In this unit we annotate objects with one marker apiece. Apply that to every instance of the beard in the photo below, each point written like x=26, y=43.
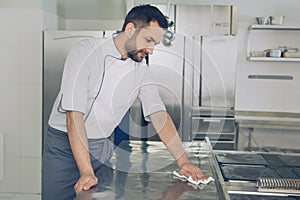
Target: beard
x=132, y=50
x=134, y=55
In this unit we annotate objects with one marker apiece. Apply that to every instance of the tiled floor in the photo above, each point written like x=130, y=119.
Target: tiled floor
x=15, y=196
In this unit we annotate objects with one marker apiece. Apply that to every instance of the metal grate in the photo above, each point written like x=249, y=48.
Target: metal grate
x=280, y=185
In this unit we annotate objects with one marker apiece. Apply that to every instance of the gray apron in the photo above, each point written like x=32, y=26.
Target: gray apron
x=59, y=169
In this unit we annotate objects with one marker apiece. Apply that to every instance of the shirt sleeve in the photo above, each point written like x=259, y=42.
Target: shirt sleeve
x=149, y=96
x=74, y=86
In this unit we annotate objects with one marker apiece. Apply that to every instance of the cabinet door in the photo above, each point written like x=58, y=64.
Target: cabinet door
x=219, y=55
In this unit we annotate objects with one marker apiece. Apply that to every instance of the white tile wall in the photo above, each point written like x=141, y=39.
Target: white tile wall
x=26, y=197
x=21, y=100
x=30, y=173
x=12, y=139
x=1, y=155
x=30, y=58
x=12, y=173
x=6, y=196
x=31, y=138
x=10, y=106
x=9, y=27
x=9, y=62
x=31, y=32
x=13, y=196
x=31, y=102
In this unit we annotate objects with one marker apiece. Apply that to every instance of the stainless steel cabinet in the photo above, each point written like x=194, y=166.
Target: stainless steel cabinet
x=219, y=126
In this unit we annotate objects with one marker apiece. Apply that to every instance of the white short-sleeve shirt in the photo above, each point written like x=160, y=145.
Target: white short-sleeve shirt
x=97, y=83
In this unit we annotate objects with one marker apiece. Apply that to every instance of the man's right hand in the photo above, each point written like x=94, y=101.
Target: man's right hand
x=85, y=182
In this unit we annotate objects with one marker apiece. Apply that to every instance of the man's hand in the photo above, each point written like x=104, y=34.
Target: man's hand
x=85, y=182
x=188, y=169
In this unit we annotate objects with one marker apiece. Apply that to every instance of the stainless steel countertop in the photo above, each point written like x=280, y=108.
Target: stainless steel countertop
x=143, y=170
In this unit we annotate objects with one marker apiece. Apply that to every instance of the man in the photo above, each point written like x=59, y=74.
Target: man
x=100, y=82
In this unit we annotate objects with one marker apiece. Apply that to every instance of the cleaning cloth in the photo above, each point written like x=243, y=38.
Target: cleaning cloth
x=190, y=179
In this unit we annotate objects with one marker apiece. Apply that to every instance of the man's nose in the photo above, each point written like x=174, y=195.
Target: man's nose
x=150, y=50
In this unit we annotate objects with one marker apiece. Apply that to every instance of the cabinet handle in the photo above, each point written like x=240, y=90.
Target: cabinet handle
x=271, y=77
x=211, y=120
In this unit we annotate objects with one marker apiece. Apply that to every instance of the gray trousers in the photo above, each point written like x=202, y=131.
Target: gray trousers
x=59, y=169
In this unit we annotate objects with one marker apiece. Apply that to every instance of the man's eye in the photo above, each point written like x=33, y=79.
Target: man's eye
x=148, y=40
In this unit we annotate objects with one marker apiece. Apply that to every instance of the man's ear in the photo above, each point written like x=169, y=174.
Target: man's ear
x=130, y=29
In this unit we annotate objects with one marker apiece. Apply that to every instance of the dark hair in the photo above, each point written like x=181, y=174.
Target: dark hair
x=144, y=14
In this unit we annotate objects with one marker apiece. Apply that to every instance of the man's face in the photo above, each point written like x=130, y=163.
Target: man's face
x=143, y=41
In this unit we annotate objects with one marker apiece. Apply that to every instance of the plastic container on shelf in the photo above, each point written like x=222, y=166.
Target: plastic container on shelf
x=276, y=20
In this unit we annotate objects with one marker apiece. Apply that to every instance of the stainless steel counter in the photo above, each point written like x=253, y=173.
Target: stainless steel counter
x=143, y=170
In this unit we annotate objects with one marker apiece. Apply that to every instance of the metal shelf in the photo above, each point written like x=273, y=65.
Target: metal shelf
x=274, y=27
x=273, y=59
x=259, y=27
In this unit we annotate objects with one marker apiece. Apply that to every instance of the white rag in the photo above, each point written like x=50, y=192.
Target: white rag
x=190, y=179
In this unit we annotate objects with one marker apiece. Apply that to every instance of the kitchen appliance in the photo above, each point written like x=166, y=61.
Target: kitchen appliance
x=249, y=166
x=214, y=87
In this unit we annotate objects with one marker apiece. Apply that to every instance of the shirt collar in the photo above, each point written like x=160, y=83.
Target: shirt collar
x=112, y=48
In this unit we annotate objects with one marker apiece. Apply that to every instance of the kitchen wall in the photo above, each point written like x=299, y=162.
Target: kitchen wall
x=277, y=96
x=21, y=25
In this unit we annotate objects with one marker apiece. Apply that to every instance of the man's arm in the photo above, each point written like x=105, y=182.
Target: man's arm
x=79, y=145
x=167, y=132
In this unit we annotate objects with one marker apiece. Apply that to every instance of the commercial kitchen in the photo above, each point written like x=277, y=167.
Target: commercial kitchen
x=227, y=71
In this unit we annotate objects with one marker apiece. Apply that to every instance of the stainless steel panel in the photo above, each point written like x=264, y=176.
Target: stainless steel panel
x=218, y=66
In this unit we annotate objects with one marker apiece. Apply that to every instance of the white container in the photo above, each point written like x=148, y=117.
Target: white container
x=263, y=20
x=276, y=53
x=276, y=20
x=258, y=54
